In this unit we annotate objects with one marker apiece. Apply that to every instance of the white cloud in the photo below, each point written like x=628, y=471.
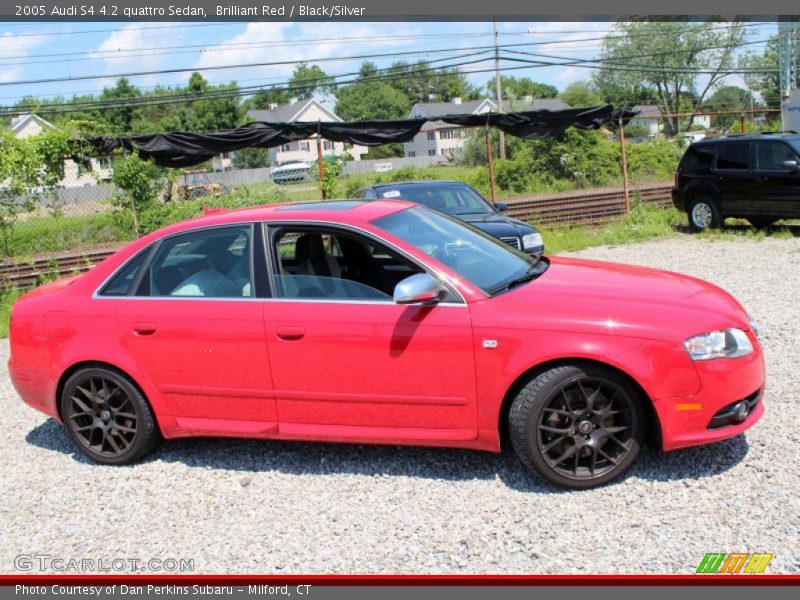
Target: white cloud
x=15, y=49
x=265, y=42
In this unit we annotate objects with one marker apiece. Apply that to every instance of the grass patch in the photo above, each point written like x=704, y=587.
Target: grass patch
x=7, y=299
x=646, y=221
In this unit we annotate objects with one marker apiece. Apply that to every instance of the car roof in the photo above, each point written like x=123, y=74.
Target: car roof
x=344, y=211
x=748, y=137
x=418, y=183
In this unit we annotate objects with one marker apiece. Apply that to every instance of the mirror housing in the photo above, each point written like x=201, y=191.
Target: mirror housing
x=790, y=165
x=501, y=207
x=418, y=289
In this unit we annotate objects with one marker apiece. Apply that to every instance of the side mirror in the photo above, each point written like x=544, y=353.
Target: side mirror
x=501, y=206
x=418, y=289
x=790, y=165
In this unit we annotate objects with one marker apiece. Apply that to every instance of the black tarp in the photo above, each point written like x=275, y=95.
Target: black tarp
x=184, y=149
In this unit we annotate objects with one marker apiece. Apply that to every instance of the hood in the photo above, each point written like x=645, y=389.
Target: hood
x=497, y=224
x=601, y=297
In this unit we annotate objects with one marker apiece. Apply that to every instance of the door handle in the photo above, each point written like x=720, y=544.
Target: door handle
x=290, y=334
x=144, y=328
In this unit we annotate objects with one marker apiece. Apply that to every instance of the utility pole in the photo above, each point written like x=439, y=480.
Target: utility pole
x=497, y=86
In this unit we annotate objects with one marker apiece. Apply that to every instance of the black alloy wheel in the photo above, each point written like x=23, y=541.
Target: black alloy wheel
x=577, y=427
x=107, y=417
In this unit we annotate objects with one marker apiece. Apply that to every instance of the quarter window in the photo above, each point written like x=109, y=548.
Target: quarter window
x=121, y=282
x=733, y=157
x=211, y=263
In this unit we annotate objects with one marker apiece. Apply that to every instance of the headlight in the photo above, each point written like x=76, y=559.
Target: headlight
x=532, y=240
x=730, y=343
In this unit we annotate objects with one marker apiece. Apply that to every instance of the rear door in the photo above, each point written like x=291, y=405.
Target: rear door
x=778, y=193
x=732, y=171
x=195, y=323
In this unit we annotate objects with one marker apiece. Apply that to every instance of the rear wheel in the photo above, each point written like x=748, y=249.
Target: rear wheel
x=107, y=417
x=704, y=214
x=759, y=222
x=577, y=427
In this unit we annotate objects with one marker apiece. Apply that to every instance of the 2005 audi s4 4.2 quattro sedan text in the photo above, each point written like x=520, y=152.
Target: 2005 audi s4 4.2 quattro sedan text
x=384, y=322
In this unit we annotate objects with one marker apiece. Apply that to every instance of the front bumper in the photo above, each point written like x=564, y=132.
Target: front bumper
x=690, y=420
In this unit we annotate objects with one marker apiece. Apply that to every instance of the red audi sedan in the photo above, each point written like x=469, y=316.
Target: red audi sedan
x=384, y=322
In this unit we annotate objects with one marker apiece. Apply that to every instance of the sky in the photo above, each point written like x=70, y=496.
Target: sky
x=57, y=50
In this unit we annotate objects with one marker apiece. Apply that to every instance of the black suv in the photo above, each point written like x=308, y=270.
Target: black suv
x=754, y=176
x=463, y=202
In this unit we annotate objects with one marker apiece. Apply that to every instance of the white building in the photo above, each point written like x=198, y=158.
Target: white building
x=437, y=138
x=651, y=118
x=75, y=175
x=304, y=150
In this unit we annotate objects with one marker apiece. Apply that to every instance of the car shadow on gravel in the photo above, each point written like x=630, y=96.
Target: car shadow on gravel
x=313, y=458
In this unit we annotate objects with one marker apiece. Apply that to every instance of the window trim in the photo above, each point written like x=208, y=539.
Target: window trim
x=274, y=227
x=153, y=249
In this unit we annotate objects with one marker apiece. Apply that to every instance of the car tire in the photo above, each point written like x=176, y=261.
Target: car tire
x=107, y=417
x=577, y=427
x=759, y=222
x=704, y=214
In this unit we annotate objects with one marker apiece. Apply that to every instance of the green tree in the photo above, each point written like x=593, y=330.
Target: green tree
x=767, y=81
x=120, y=119
x=517, y=89
x=308, y=80
x=663, y=58
x=141, y=181
x=725, y=98
x=581, y=93
x=366, y=101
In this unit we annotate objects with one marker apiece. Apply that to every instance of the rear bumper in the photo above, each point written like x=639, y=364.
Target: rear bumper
x=690, y=420
x=677, y=199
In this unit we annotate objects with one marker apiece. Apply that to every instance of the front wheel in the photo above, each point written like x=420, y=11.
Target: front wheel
x=704, y=214
x=577, y=426
x=107, y=417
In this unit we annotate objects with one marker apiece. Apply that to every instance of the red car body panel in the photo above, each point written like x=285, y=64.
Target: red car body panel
x=381, y=372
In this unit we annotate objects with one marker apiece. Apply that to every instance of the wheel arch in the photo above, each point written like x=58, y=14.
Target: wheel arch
x=700, y=188
x=652, y=424
x=87, y=364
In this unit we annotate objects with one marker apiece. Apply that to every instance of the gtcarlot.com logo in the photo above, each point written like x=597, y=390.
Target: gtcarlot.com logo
x=736, y=562
x=46, y=562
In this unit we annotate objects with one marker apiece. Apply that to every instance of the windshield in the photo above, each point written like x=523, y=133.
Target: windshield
x=484, y=261
x=455, y=199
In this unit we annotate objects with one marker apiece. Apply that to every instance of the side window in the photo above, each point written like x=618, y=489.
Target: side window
x=331, y=265
x=733, y=157
x=121, y=282
x=771, y=155
x=211, y=263
x=697, y=158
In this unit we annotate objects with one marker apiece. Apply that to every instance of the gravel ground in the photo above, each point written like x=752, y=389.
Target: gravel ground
x=242, y=506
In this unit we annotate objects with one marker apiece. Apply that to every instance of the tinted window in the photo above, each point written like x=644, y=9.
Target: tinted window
x=697, y=158
x=771, y=155
x=733, y=156
x=212, y=263
x=121, y=282
x=452, y=199
x=331, y=265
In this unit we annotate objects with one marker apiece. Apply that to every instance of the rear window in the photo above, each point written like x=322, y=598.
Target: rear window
x=733, y=157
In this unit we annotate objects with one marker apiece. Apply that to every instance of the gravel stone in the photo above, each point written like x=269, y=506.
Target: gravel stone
x=238, y=506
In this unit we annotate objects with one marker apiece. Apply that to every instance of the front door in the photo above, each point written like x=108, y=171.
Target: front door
x=778, y=193
x=349, y=361
x=196, y=327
